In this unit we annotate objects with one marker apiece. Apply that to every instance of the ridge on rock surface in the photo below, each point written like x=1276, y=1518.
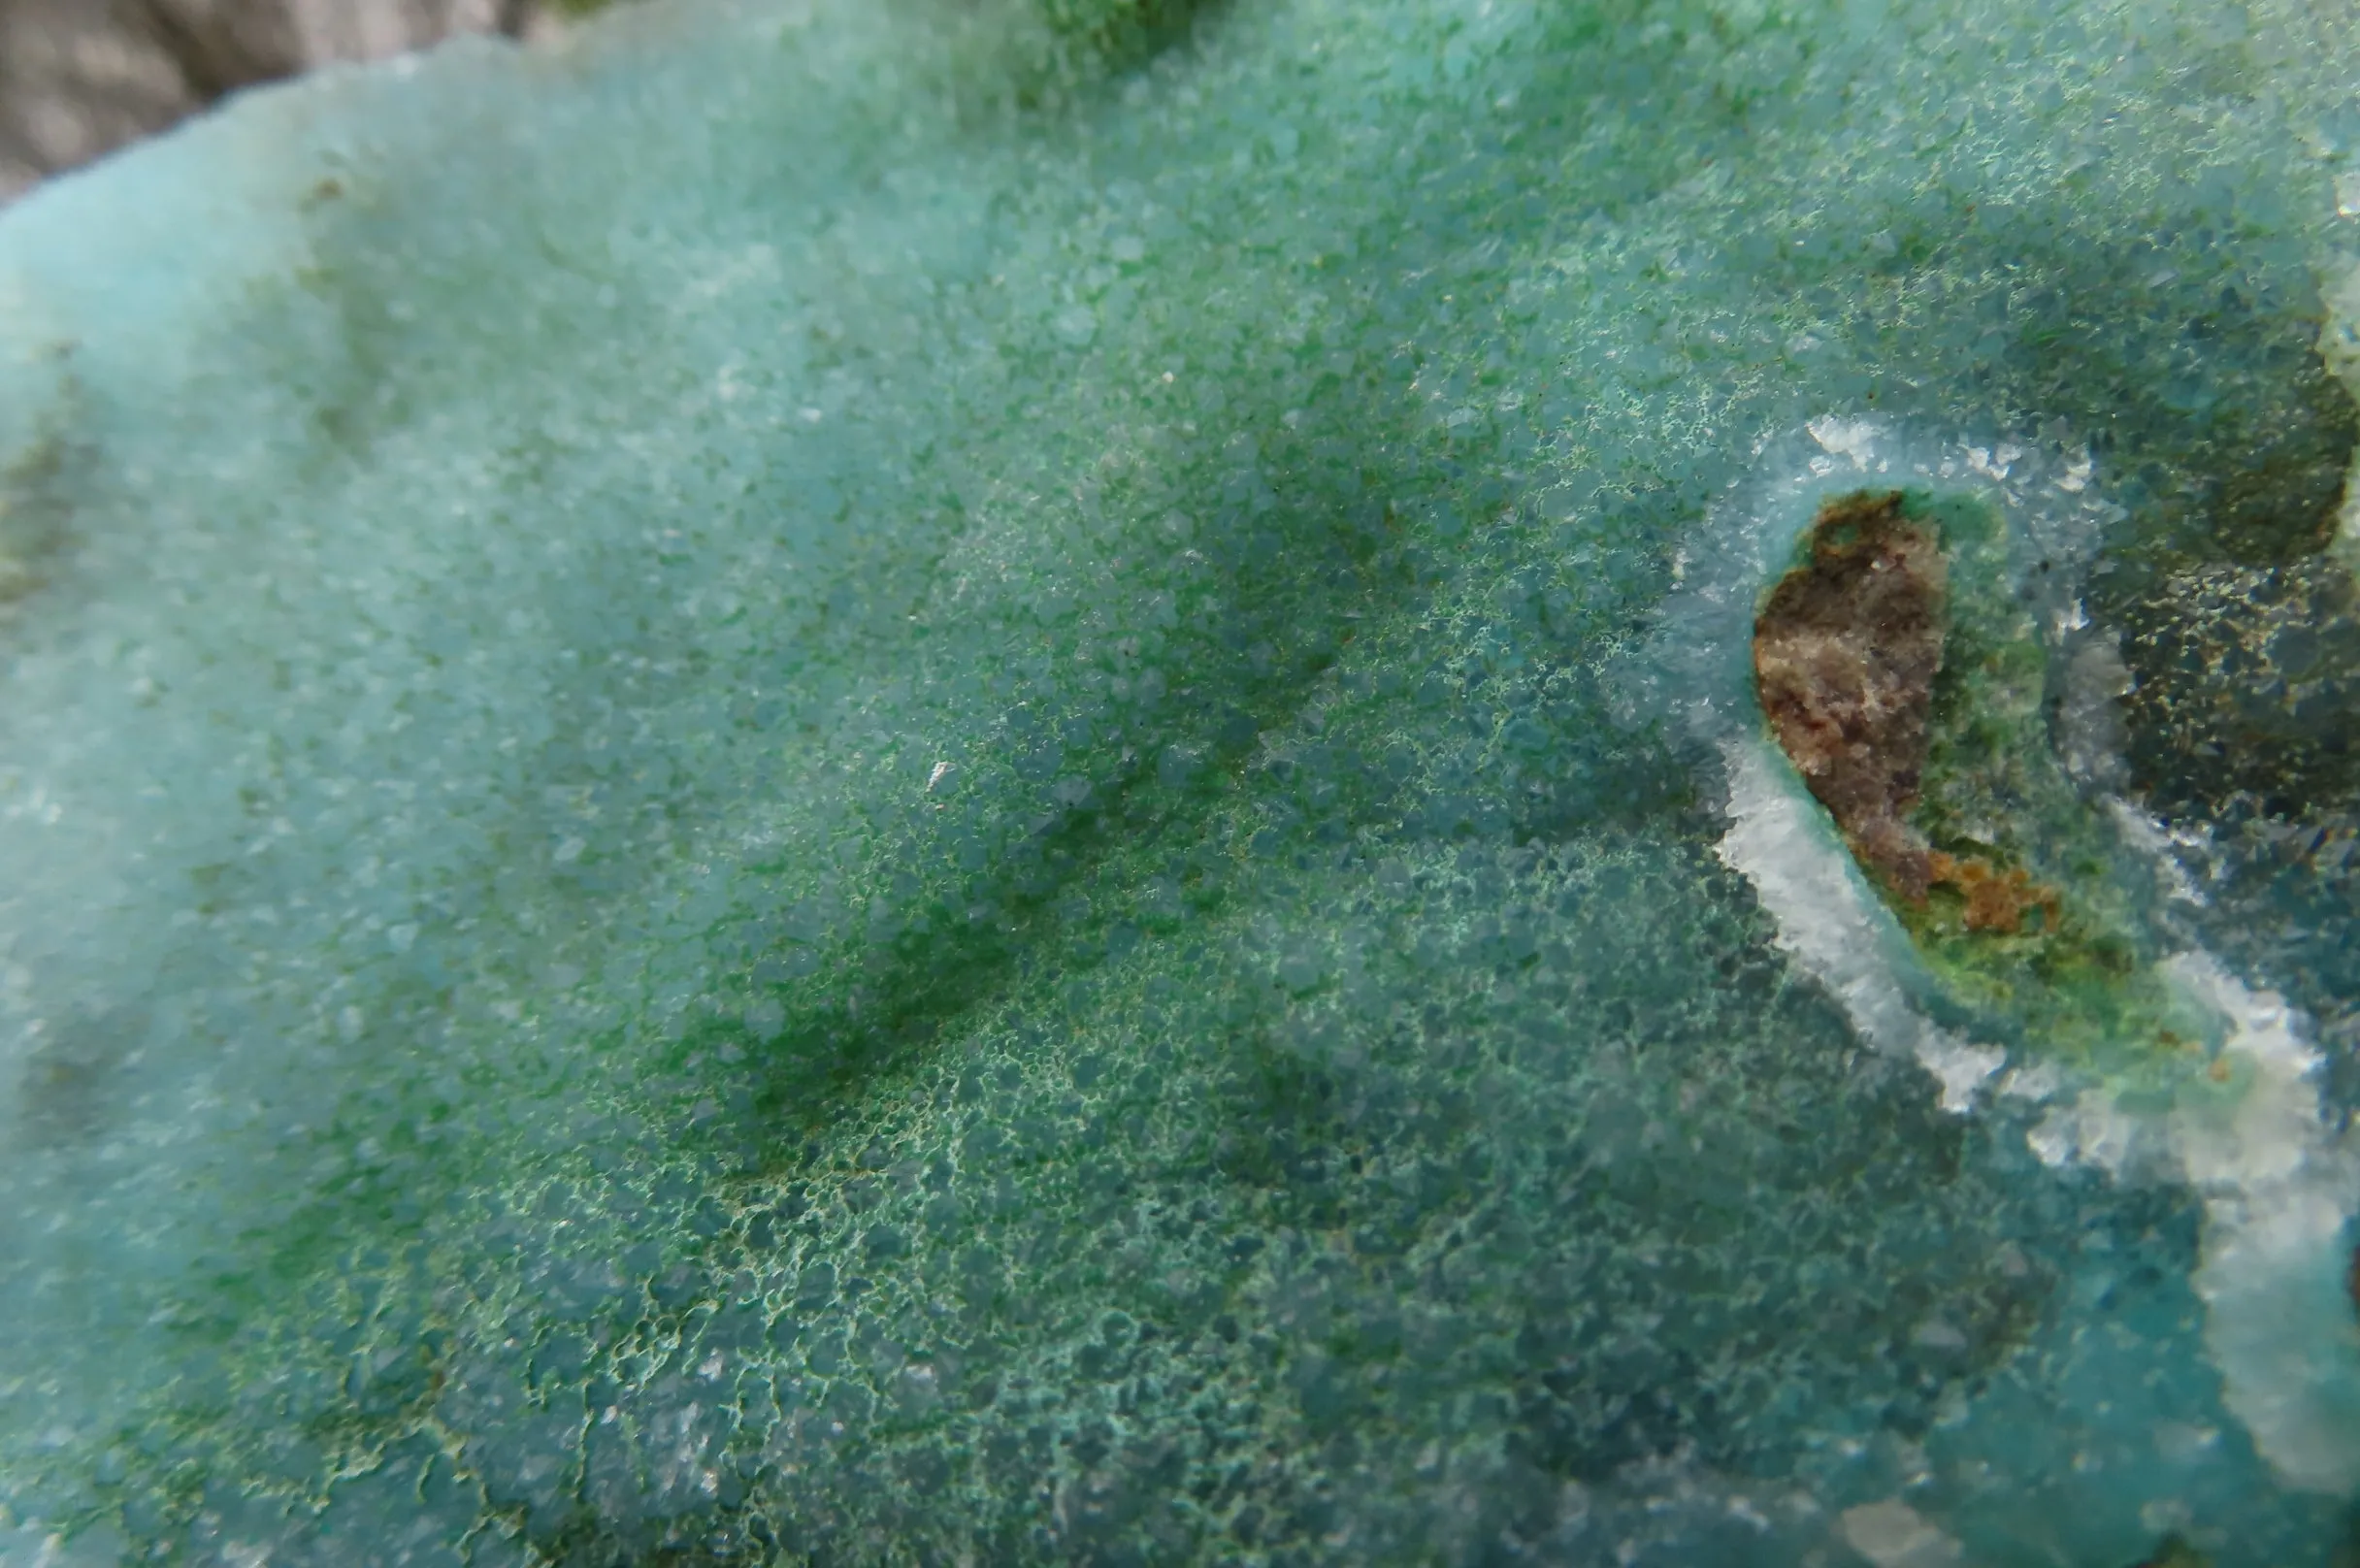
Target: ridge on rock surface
x=1002, y=783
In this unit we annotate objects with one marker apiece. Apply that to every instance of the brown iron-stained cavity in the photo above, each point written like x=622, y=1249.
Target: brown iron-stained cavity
x=1845, y=649
x=1996, y=901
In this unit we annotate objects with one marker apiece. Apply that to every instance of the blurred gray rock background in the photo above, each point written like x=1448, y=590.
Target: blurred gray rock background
x=80, y=78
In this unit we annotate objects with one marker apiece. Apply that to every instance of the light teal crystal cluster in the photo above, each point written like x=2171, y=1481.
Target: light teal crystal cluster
x=950, y=782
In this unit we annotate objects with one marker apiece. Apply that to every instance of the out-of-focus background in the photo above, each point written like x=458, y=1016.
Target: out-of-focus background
x=80, y=78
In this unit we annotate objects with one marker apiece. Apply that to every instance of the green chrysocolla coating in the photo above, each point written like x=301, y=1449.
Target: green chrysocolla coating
x=836, y=783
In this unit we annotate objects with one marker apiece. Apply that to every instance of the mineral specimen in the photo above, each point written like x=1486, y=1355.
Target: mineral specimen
x=983, y=782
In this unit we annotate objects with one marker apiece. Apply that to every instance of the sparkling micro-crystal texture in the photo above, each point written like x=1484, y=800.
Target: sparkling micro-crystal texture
x=979, y=782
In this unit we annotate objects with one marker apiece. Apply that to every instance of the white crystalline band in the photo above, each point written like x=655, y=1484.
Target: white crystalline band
x=2278, y=1196
x=2278, y=1193
x=1830, y=922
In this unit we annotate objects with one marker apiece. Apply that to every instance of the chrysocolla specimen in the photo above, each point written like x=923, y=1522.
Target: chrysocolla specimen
x=852, y=783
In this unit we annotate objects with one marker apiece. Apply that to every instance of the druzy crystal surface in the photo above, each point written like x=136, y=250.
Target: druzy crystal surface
x=970, y=783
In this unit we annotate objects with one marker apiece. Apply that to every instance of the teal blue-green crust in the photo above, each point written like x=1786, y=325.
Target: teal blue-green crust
x=843, y=784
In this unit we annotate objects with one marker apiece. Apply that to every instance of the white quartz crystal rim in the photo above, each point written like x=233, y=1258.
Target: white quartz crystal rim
x=1829, y=922
x=2277, y=1186
x=2277, y=1195
x=1697, y=668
